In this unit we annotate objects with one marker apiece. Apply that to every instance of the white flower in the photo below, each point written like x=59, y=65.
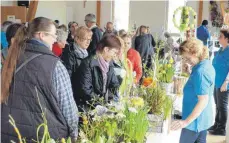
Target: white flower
x=133, y=110
x=96, y=118
x=100, y=110
x=111, y=116
x=120, y=116
x=134, y=74
x=123, y=73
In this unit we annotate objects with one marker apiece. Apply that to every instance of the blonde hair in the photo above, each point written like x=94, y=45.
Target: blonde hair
x=82, y=32
x=195, y=47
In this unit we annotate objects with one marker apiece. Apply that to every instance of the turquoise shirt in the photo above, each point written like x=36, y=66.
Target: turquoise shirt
x=221, y=65
x=200, y=82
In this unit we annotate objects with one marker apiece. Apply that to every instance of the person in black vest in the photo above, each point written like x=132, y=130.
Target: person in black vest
x=96, y=77
x=35, y=82
x=72, y=26
x=90, y=21
x=144, y=44
x=78, y=50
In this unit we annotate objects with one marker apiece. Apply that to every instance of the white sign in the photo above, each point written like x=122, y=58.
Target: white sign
x=11, y=18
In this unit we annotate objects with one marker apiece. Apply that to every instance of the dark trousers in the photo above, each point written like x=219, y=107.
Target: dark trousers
x=188, y=136
x=221, y=101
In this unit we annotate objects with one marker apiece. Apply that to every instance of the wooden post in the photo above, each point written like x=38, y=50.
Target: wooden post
x=200, y=12
x=98, y=12
x=32, y=10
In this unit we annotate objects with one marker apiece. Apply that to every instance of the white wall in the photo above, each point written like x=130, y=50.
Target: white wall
x=79, y=11
x=8, y=3
x=150, y=13
x=52, y=10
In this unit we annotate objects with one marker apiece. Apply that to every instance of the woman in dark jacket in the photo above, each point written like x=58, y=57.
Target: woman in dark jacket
x=77, y=51
x=96, y=77
x=144, y=44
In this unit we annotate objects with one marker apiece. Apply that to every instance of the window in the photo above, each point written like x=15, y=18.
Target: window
x=121, y=14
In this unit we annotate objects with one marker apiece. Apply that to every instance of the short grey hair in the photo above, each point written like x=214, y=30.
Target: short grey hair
x=90, y=17
x=61, y=35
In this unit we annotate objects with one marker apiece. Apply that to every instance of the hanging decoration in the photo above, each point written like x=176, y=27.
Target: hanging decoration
x=215, y=15
x=188, y=18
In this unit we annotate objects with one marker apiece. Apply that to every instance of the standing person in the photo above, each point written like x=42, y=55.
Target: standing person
x=90, y=21
x=77, y=51
x=10, y=33
x=198, y=93
x=72, y=26
x=144, y=44
x=203, y=33
x=134, y=58
x=96, y=77
x=221, y=65
x=40, y=81
x=4, y=27
x=58, y=46
x=110, y=29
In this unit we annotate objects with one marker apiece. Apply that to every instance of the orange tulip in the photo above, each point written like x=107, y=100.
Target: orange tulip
x=147, y=81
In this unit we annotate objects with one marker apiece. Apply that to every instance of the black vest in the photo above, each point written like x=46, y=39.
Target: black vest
x=33, y=82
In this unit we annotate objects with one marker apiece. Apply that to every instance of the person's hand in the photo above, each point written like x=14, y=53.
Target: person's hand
x=224, y=86
x=176, y=125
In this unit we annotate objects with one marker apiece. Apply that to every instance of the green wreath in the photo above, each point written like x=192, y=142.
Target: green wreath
x=185, y=22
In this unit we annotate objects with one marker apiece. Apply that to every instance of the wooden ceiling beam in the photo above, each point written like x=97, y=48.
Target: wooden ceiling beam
x=200, y=12
x=32, y=10
x=98, y=12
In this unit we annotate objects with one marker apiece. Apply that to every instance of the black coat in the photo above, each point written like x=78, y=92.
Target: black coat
x=96, y=37
x=89, y=83
x=145, y=44
x=70, y=40
x=71, y=59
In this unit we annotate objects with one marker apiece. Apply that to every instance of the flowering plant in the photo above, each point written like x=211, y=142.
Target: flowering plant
x=166, y=71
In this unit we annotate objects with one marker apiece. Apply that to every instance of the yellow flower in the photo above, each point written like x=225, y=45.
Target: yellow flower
x=85, y=121
x=171, y=61
x=163, y=72
x=63, y=140
x=169, y=65
x=137, y=101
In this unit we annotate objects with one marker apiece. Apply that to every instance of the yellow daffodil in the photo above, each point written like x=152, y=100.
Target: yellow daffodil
x=63, y=140
x=171, y=61
x=169, y=65
x=85, y=121
x=163, y=72
x=137, y=101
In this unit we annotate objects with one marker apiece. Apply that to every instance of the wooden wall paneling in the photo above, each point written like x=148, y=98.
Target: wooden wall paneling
x=18, y=11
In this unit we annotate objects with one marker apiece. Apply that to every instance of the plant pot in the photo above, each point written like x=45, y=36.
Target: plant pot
x=157, y=124
x=179, y=82
x=168, y=87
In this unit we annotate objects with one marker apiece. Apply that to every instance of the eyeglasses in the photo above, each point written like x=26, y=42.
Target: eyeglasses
x=85, y=39
x=47, y=33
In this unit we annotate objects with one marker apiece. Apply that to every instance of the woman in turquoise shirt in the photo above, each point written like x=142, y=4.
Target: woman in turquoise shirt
x=221, y=93
x=198, y=94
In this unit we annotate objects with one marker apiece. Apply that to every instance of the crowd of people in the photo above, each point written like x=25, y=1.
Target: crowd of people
x=65, y=70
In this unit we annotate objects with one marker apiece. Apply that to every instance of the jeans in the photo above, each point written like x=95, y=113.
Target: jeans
x=221, y=101
x=188, y=136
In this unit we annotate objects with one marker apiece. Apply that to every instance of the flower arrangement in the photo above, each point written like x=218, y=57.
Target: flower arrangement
x=125, y=122
x=166, y=71
x=185, y=22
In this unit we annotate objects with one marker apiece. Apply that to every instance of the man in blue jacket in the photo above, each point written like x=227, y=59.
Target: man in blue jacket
x=203, y=33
